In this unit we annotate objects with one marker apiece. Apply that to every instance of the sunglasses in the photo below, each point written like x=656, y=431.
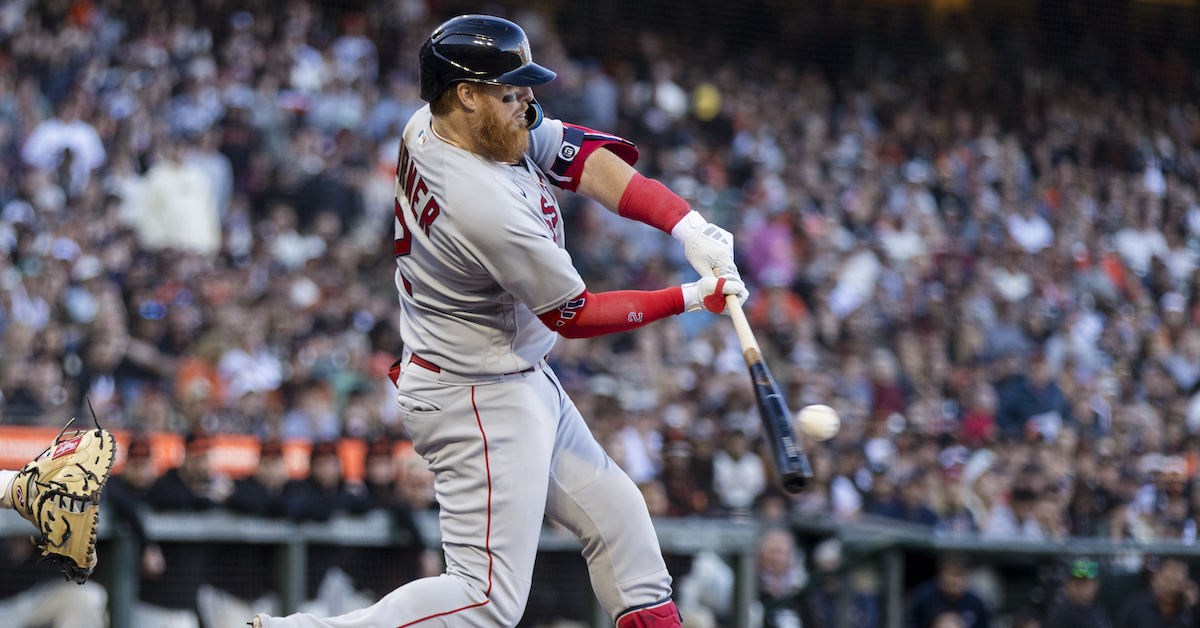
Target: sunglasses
x=1083, y=568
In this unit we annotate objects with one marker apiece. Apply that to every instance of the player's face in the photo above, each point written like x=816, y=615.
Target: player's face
x=499, y=122
x=509, y=103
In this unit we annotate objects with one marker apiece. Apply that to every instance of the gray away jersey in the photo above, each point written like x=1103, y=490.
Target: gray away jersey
x=479, y=249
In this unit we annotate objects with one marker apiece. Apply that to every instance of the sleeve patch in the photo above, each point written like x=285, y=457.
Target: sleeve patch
x=572, y=142
x=577, y=143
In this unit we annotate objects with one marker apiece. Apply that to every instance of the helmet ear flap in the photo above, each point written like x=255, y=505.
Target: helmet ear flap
x=533, y=115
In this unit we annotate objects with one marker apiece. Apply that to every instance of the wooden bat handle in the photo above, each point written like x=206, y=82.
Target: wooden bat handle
x=750, y=351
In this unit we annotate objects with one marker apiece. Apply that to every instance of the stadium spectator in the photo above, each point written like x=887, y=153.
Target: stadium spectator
x=781, y=579
x=178, y=207
x=65, y=147
x=205, y=155
x=262, y=493
x=738, y=474
x=1034, y=398
x=324, y=492
x=40, y=397
x=249, y=365
x=191, y=486
x=126, y=492
x=821, y=603
x=684, y=495
x=882, y=496
x=1167, y=603
x=313, y=416
x=379, y=472
x=948, y=593
x=912, y=506
x=414, y=484
x=1078, y=608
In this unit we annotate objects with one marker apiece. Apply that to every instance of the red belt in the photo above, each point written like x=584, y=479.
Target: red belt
x=394, y=372
x=423, y=363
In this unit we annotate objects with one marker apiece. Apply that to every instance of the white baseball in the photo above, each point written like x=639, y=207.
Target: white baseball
x=820, y=422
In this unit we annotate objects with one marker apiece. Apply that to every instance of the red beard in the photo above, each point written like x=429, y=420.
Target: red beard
x=498, y=139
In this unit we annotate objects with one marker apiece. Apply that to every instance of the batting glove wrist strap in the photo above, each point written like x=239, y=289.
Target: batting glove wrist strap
x=687, y=225
x=691, y=297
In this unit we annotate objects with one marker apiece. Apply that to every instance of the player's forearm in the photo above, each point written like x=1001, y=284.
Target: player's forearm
x=622, y=190
x=614, y=184
x=589, y=315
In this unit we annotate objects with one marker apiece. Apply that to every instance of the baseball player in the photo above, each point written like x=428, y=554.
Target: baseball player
x=486, y=286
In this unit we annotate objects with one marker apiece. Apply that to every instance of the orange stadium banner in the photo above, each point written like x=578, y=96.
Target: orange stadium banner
x=232, y=455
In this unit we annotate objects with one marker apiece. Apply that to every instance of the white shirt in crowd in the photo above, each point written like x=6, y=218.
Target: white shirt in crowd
x=179, y=210
x=1032, y=234
x=845, y=499
x=1013, y=286
x=47, y=144
x=637, y=462
x=220, y=173
x=1138, y=247
x=738, y=482
x=245, y=372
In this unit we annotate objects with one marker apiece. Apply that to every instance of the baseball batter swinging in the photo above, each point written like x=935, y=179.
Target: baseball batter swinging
x=486, y=286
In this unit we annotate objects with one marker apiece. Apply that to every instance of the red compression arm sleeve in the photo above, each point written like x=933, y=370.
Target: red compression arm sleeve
x=589, y=315
x=646, y=200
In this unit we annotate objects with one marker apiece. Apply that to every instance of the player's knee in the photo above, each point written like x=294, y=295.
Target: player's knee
x=505, y=601
x=504, y=612
x=659, y=615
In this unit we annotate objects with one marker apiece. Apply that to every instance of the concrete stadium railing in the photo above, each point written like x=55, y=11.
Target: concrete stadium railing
x=736, y=540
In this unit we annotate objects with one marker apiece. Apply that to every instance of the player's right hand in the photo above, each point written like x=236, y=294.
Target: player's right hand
x=709, y=293
x=709, y=247
x=705, y=245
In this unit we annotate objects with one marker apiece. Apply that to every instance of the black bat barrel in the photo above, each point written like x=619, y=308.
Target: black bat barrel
x=790, y=461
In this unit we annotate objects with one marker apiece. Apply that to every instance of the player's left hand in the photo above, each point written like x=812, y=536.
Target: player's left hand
x=709, y=247
x=709, y=293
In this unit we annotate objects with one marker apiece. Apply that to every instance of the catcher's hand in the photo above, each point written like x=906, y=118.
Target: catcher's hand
x=59, y=493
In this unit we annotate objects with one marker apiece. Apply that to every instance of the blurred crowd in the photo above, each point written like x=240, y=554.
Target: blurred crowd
x=1001, y=303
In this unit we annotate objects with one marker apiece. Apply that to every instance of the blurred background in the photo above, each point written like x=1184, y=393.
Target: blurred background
x=970, y=226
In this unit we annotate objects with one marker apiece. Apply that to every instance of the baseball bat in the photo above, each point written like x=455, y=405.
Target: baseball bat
x=791, y=463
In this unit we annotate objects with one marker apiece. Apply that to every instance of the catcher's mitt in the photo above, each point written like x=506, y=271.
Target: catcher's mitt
x=59, y=493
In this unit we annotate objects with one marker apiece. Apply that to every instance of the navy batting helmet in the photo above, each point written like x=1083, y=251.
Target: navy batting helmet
x=481, y=49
